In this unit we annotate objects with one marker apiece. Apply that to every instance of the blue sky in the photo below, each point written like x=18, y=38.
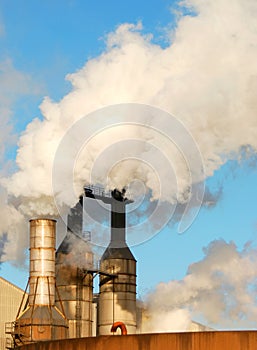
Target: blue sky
x=55, y=38
x=46, y=40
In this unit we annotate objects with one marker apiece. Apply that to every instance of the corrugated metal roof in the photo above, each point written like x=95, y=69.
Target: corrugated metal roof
x=11, y=284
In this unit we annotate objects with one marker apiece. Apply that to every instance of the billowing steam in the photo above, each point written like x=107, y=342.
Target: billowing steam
x=206, y=77
x=219, y=290
x=12, y=225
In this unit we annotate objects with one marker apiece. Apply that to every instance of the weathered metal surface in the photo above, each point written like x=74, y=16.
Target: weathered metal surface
x=236, y=340
x=41, y=323
x=117, y=299
x=42, y=262
x=74, y=281
x=121, y=326
x=42, y=320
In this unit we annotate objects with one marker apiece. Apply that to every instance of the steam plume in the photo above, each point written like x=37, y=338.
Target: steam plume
x=219, y=290
x=206, y=77
x=13, y=84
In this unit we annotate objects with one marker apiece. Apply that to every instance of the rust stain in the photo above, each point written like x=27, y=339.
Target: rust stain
x=227, y=340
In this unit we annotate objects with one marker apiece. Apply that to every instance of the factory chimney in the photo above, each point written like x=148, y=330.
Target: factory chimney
x=74, y=276
x=117, y=297
x=41, y=320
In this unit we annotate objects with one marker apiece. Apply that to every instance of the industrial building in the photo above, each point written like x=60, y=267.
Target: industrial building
x=61, y=303
x=10, y=301
x=62, y=312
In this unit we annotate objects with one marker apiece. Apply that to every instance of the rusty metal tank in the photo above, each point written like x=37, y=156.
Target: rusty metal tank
x=41, y=320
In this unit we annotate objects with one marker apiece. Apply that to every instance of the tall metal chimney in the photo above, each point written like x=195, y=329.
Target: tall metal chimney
x=117, y=298
x=74, y=277
x=42, y=320
x=42, y=262
x=118, y=219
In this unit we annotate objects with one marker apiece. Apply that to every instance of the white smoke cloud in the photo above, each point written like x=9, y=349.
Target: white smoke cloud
x=206, y=77
x=14, y=84
x=176, y=320
x=220, y=290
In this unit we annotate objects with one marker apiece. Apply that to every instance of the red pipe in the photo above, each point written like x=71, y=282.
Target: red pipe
x=120, y=325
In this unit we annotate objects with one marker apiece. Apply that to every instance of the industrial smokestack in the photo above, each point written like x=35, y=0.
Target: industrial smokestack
x=42, y=262
x=117, y=297
x=118, y=219
x=74, y=277
x=75, y=218
x=42, y=320
x=118, y=247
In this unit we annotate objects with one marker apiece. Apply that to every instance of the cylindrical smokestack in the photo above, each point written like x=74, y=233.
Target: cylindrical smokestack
x=42, y=320
x=118, y=220
x=74, y=261
x=117, y=298
x=42, y=262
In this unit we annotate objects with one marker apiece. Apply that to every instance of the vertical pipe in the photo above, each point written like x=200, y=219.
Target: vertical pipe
x=42, y=262
x=118, y=224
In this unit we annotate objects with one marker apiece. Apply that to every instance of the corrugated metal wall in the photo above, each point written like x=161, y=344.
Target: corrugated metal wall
x=235, y=340
x=10, y=299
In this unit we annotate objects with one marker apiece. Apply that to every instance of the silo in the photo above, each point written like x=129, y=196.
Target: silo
x=42, y=320
x=74, y=277
x=117, y=297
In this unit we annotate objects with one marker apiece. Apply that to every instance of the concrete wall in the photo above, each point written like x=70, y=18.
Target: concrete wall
x=236, y=340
